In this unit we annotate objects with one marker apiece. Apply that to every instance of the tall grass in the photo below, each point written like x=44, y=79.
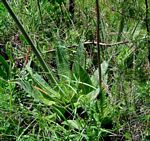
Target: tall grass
x=71, y=108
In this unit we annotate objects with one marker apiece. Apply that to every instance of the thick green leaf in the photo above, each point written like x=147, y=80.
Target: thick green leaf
x=40, y=90
x=42, y=83
x=83, y=77
x=36, y=93
x=80, y=54
x=73, y=124
x=62, y=61
x=104, y=68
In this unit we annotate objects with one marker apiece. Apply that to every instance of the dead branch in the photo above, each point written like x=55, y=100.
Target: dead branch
x=93, y=43
x=106, y=44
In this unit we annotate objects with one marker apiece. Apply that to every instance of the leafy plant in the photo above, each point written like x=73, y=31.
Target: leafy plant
x=75, y=92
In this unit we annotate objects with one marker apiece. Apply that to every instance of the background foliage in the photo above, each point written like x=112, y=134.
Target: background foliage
x=34, y=108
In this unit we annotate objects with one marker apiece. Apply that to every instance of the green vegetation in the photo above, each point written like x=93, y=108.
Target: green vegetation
x=49, y=70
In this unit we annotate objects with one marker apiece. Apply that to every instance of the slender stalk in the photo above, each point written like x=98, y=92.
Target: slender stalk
x=101, y=94
x=35, y=50
x=98, y=41
x=147, y=20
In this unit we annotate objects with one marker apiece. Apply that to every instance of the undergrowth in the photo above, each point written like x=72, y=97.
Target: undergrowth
x=35, y=107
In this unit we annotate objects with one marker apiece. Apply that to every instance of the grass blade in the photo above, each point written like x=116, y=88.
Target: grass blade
x=35, y=50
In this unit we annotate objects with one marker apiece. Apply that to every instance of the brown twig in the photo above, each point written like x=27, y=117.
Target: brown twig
x=107, y=44
x=93, y=43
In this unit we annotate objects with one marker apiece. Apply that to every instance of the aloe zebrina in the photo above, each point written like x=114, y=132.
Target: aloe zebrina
x=35, y=50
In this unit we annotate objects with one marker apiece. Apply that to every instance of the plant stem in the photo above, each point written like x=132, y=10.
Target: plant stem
x=98, y=40
x=147, y=27
x=35, y=50
x=101, y=94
